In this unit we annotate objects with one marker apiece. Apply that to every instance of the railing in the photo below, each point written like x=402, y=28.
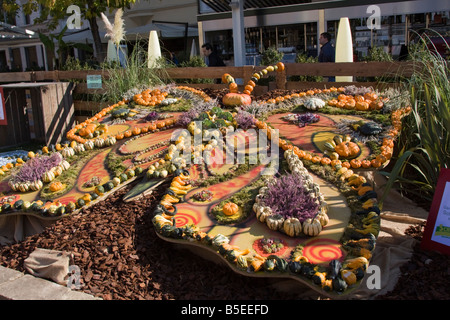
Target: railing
x=282, y=79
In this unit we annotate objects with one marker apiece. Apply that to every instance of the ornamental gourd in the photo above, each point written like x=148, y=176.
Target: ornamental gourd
x=89, y=145
x=48, y=176
x=99, y=142
x=312, y=227
x=109, y=141
x=323, y=218
x=79, y=148
x=275, y=222
x=67, y=152
x=292, y=227
x=262, y=213
x=230, y=209
x=236, y=99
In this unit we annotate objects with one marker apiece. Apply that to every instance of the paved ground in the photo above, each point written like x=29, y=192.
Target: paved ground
x=15, y=285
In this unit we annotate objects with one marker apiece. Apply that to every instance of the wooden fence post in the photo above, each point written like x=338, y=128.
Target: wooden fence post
x=281, y=80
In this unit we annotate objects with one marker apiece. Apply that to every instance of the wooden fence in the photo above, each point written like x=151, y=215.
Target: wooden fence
x=282, y=79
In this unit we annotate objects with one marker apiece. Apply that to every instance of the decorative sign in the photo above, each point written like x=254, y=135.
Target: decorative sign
x=437, y=230
x=94, y=81
x=2, y=108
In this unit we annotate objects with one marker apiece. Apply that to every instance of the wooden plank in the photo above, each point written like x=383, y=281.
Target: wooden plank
x=81, y=74
x=81, y=88
x=356, y=69
x=93, y=106
x=15, y=76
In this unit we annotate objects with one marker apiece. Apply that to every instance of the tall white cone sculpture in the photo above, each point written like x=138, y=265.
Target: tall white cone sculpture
x=344, y=47
x=154, y=50
x=111, y=54
x=193, y=49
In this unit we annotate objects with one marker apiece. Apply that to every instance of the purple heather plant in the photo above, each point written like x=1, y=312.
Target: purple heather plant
x=288, y=197
x=152, y=116
x=188, y=116
x=34, y=168
x=245, y=120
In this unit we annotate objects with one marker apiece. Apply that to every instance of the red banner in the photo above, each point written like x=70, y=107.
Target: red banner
x=2, y=108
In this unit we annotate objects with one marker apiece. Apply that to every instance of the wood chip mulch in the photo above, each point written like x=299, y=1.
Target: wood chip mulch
x=121, y=257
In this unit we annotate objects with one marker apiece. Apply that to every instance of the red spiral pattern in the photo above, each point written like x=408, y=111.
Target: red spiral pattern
x=322, y=250
x=186, y=217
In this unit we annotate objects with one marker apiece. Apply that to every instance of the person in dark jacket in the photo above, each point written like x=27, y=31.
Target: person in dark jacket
x=327, y=53
x=212, y=57
x=327, y=50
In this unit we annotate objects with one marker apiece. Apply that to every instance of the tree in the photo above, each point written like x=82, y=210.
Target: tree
x=52, y=12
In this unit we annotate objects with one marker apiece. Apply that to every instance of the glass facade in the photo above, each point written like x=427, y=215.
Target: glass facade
x=394, y=33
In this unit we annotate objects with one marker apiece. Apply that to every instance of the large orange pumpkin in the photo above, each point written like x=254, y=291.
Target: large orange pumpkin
x=230, y=208
x=236, y=99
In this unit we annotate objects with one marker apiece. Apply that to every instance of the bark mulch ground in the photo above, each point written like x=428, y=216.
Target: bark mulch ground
x=121, y=258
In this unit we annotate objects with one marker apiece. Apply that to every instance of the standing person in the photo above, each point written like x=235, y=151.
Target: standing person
x=327, y=53
x=212, y=57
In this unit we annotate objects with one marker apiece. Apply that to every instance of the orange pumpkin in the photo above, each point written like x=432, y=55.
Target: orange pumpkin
x=316, y=159
x=226, y=77
x=236, y=99
x=376, y=163
x=362, y=106
x=336, y=162
x=280, y=66
x=347, y=149
x=365, y=164
x=127, y=134
x=119, y=136
x=346, y=164
x=355, y=163
x=161, y=124
x=55, y=186
x=230, y=208
x=233, y=87
x=307, y=156
x=325, y=161
x=136, y=131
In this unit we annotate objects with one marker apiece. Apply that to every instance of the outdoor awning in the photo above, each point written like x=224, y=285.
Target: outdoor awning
x=10, y=32
x=224, y=5
x=164, y=30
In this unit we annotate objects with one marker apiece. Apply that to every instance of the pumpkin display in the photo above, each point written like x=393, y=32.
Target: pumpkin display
x=275, y=222
x=56, y=186
x=312, y=227
x=89, y=145
x=67, y=152
x=323, y=218
x=230, y=208
x=347, y=149
x=48, y=176
x=236, y=99
x=99, y=142
x=292, y=227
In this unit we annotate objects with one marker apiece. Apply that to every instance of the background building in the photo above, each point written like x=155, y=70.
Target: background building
x=295, y=26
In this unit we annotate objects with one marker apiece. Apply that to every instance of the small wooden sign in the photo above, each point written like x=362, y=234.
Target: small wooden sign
x=437, y=230
x=3, y=120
